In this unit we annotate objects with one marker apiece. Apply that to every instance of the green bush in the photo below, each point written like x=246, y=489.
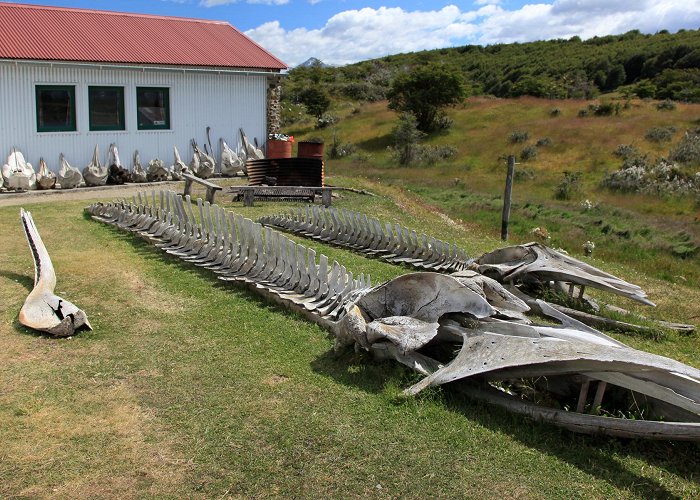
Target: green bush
x=316, y=101
x=569, y=186
x=406, y=138
x=523, y=174
x=660, y=134
x=544, y=142
x=626, y=150
x=518, y=136
x=667, y=105
x=326, y=120
x=425, y=91
x=430, y=155
x=687, y=151
x=528, y=153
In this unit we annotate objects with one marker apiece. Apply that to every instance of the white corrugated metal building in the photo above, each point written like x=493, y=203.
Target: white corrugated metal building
x=158, y=84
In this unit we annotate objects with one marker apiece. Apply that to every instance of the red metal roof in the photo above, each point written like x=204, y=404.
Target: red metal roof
x=62, y=34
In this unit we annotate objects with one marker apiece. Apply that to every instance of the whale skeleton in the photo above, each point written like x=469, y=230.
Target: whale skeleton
x=45, y=179
x=138, y=173
x=157, y=171
x=390, y=242
x=17, y=173
x=419, y=318
x=202, y=164
x=251, y=152
x=68, y=177
x=117, y=174
x=178, y=167
x=94, y=173
x=531, y=263
x=43, y=310
x=230, y=164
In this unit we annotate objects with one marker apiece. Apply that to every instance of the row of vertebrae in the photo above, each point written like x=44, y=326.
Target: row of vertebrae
x=393, y=243
x=237, y=249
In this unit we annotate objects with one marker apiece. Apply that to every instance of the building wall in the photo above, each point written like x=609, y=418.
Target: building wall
x=224, y=101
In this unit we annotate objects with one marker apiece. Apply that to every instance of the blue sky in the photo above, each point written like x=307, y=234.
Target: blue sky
x=346, y=31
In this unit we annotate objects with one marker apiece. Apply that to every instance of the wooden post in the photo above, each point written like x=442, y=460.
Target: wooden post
x=326, y=197
x=248, y=197
x=506, y=198
x=188, y=187
x=211, y=192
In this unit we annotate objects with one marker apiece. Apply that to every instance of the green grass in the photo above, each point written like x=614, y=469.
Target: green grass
x=189, y=387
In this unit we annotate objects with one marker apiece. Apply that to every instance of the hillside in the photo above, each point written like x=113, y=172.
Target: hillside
x=661, y=66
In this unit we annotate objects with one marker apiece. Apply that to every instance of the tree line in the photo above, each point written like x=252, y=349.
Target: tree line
x=661, y=66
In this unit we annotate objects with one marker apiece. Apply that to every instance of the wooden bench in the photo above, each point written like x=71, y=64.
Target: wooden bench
x=211, y=187
x=308, y=193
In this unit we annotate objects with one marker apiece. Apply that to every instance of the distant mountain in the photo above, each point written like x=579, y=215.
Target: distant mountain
x=313, y=62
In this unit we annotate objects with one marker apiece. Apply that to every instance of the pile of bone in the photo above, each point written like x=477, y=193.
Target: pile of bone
x=237, y=249
x=393, y=243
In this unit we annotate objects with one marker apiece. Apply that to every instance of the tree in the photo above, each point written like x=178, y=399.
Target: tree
x=406, y=138
x=425, y=91
x=315, y=100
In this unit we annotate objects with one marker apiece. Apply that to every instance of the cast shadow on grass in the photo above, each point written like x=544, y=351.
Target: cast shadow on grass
x=594, y=455
x=24, y=280
x=28, y=283
x=376, y=144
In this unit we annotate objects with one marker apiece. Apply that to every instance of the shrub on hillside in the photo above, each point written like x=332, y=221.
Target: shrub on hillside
x=569, y=186
x=443, y=122
x=607, y=109
x=362, y=91
x=660, y=134
x=425, y=91
x=430, y=155
x=523, y=174
x=341, y=150
x=292, y=113
x=543, y=142
x=554, y=112
x=518, y=136
x=316, y=100
x=603, y=109
x=660, y=179
x=407, y=148
x=326, y=120
x=406, y=138
x=626, y=150
x=667, y=105
x=687, y=151
x=528, y=153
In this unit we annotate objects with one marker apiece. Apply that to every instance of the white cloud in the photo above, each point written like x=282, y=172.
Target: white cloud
x=367, y=33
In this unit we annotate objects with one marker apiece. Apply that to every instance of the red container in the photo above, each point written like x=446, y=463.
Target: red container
x=278, y=149
x=310, y=150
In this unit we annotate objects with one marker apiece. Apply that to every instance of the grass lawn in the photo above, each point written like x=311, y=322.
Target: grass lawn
x=190, y=387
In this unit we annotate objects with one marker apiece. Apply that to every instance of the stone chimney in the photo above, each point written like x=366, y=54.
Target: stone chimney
x=274, y=109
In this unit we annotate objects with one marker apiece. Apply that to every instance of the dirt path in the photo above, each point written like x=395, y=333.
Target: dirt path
x=8, y=199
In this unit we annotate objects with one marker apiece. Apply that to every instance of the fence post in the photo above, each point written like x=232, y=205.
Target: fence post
x=506, y=198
